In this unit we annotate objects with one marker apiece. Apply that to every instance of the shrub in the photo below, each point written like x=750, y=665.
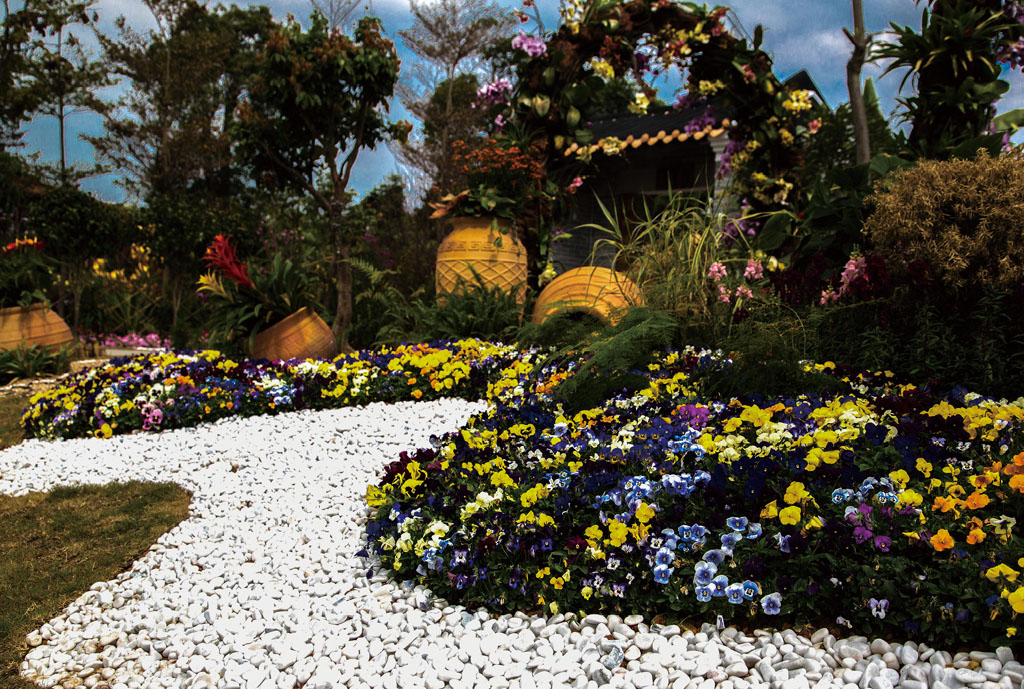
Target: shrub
x=961, y=217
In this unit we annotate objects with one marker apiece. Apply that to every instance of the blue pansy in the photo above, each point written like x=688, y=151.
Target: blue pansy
x=704, y=572
x=772, y=603
x=718, y=585
x=738, y=524
x=716, y=556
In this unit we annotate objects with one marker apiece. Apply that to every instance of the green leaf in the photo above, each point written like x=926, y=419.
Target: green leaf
x=993, y=143
x=1009, y=121
x=775, y=231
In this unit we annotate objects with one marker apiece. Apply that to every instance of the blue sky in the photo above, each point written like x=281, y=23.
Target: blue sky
x=799, y=34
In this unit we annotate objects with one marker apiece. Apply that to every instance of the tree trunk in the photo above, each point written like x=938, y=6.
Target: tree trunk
x=342, y=280
x=860, y=41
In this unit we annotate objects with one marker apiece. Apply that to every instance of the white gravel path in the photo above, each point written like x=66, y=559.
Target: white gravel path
x=261, y=589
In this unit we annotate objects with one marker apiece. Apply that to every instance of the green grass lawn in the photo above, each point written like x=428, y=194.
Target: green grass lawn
x=10, y=415
x=54, y=546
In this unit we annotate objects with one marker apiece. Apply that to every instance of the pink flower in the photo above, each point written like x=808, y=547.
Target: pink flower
x=575, y=184
x=531, y=45
x=717, y=271
x=495, y=93
x=854, y=268
x=754, y=271
x=743, y=292
x=723, y=294
x=828, y=296
x=814, y=125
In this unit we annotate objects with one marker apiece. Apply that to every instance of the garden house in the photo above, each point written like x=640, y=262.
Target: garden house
x=677, y=149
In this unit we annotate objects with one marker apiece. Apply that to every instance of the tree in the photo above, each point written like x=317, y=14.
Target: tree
x=449, y=37
x=317, y=99
x=44, y=68
x=860, y=40
x=20, y=98
x=167, y=133
x=336, y=12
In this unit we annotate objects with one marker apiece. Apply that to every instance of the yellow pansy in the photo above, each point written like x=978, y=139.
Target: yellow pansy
x=789, y=515
x=1001, y=571
x=795, y=493
x=644, y=513
x=1016, y=600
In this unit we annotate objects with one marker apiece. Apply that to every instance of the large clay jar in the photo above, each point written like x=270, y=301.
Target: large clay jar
x=600, y=292
x=470, y=247
x=301, y=335
x=36, y=325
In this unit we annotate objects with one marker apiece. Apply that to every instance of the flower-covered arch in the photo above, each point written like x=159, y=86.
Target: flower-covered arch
x=597, y=40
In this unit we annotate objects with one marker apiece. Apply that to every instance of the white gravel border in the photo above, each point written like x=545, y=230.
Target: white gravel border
x=260, y=587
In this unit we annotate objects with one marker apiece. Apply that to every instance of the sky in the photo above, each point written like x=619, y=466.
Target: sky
x=798, y=34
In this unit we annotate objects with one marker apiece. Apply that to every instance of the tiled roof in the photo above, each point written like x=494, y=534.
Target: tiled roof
x=652, y=137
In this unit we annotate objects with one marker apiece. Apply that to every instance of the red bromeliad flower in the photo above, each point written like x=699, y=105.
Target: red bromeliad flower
x=221, y=255
x=24, y=244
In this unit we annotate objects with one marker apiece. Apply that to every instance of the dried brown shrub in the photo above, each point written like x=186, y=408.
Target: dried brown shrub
x=964, y=218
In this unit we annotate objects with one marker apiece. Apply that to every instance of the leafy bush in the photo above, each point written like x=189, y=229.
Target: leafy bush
x=608, y=359
x=24, y=273
x=29, y=362
x=76, y=230
x=477, y=311
x=767, y=355
x=962, y=218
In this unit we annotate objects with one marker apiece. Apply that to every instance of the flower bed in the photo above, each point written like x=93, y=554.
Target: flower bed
x=887, y=508
x=158, y=391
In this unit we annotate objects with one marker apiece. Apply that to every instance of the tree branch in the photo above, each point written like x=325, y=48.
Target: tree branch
x=297, y=176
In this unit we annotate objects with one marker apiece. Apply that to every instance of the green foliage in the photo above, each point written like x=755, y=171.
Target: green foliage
x=317, y=98
x=43, y=69
x=560, y=330
x=77, y=228
x=960, y=217
x=953, y=62
x=25, y=274
x=769, y=357
x=616, y=358
x=31, y=361
x=315, y=95
x=833, y=145
x=486, y=313
x=237, y=313
x=175, y=138
x=973, y=338
x=835, y=211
